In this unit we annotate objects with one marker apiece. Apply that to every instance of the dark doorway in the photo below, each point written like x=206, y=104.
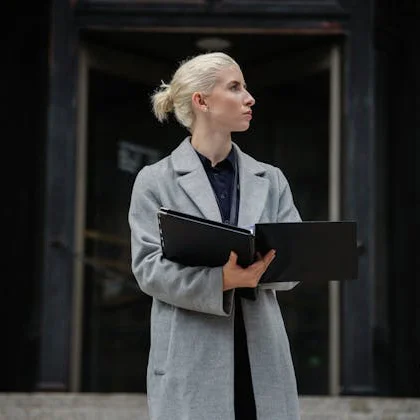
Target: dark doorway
x=290, y=130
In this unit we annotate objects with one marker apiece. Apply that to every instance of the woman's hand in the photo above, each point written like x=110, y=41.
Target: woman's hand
x=236, y=276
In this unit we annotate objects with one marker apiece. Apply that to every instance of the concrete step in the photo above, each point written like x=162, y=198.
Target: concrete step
x=89, y=406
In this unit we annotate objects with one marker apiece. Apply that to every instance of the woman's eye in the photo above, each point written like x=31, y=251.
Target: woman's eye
x=234, y=87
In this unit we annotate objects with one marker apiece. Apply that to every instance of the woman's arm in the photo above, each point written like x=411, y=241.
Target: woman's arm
x=194, y=288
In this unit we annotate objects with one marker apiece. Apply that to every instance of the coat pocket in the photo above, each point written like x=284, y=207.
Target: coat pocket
x=160, y=336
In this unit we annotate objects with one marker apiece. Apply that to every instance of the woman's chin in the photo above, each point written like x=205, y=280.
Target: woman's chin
x=242, y=127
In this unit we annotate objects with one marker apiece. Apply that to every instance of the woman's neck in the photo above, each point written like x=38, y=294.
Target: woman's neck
x=215, y=146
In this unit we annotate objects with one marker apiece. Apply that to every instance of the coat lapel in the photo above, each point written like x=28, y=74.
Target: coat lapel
x=194, y=181
x=253, y=189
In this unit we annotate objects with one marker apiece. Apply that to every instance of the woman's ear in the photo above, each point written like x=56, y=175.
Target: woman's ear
x=199, y=101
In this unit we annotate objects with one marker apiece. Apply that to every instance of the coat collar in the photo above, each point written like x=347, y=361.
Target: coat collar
x=193, y=179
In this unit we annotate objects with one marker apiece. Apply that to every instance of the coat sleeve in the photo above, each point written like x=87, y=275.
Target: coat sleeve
x=287, y=212
x=193, y=288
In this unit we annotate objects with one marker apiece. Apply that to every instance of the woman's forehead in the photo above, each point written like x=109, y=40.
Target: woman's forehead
x=231, y=73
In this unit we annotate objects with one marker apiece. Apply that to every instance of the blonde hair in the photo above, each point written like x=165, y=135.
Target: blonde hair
x=197, y=74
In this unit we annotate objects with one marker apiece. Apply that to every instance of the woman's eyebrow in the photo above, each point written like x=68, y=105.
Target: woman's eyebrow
x=236, y=82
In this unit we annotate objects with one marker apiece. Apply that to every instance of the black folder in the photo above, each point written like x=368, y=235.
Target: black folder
x=307, y=251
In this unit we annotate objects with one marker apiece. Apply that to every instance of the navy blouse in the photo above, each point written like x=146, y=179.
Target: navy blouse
x=221, y=177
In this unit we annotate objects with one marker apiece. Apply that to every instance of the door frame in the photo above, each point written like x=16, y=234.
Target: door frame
x=354, y=21
x=335, y=199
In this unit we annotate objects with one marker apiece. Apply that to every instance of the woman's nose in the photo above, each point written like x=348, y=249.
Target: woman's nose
x=249, y=100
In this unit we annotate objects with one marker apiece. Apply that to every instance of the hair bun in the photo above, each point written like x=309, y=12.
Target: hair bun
x=162, y=101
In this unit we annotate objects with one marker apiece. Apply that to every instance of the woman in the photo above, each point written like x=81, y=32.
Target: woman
x=215, y=354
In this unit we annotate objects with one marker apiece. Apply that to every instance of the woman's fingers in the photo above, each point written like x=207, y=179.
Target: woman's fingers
x=269, y=257
x=236, y=276
x=266, y=260
x=260, y=266
x=233, y=258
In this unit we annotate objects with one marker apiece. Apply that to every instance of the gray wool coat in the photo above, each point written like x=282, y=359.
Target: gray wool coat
x=190, y=369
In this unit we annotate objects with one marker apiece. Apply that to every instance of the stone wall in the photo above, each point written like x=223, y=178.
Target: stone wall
x=133, y=407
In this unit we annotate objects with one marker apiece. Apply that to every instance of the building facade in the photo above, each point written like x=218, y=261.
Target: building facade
x=336, y=90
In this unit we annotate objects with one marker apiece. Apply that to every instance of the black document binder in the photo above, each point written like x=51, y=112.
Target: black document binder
x=305, y=251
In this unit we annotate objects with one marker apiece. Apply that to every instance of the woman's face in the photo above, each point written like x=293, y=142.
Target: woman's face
x=229, y=104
